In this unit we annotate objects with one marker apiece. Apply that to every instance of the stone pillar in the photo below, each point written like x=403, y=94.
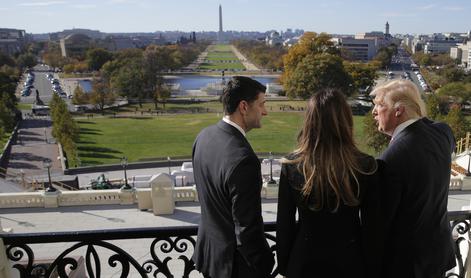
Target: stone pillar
x=51, y=199
x=270, y=190
x=466, y=183
x=144, y=199
x=126, y=196
x=162, y=194
x=196, y=193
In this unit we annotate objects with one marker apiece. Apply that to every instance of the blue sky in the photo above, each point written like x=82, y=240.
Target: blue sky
x=332, y=16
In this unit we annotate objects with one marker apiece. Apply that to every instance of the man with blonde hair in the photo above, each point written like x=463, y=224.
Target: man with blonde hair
x=417, y=236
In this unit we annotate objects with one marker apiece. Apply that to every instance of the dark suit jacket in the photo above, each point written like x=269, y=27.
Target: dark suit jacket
x=228, y=180
x=418, y=238
x=325, y=243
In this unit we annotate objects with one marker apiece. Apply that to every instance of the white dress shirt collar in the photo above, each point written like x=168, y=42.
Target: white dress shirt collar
x=227, y=120
x=402, y=126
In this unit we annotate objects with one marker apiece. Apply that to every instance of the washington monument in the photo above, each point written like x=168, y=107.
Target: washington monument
x=220, y=34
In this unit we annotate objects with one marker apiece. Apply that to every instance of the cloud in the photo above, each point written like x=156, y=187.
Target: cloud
x=41, y=4
x=41, y=13
x=84, y=6
x=427, y=7
x=120, y=1
x=453, y=8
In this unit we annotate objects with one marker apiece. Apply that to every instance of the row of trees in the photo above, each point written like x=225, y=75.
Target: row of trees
x=260, y=54
x=64, y=128
x=425, y=60
x=315, y=63
x=10, y=71
x=177, y=56
x=384, y=56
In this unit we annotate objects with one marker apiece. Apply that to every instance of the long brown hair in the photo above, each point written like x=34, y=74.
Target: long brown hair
x=326, y=153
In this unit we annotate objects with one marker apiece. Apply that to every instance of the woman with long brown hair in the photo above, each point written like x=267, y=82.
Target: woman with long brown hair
x=327, y=180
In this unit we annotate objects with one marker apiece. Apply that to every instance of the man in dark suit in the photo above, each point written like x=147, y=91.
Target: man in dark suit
x=418, y=242
x=231, y=240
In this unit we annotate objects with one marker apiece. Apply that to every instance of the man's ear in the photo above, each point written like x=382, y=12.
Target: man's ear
x=243, y=106
x=399, y=111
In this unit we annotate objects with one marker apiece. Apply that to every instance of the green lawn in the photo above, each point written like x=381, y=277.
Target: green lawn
x=106, y=140
x=24, y=106
x=221, y=57
x=220, y=48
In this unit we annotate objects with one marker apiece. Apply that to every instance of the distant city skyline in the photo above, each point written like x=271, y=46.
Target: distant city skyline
x=331, y=16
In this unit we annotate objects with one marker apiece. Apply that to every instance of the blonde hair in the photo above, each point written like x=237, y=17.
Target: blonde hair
x=326, y=153
x=402, y=93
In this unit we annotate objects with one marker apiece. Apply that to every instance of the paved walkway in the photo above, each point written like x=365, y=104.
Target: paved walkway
x=199, y=60
x=34, y=144
x=249, y=66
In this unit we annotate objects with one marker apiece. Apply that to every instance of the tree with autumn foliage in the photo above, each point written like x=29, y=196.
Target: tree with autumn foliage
x=312, y=64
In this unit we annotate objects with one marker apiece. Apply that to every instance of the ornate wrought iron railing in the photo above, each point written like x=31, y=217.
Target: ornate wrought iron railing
x=168, y=244
x=460, y=223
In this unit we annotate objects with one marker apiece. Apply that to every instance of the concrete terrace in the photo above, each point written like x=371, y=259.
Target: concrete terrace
x=81, y=218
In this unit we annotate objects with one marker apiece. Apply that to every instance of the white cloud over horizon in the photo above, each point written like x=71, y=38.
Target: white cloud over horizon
x=41, y=4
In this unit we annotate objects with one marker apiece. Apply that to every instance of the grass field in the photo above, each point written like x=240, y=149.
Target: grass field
x=3, y=140
x=24, y=106
x=221, y=57
x=106, y=140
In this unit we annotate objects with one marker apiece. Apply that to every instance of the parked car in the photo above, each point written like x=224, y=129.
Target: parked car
x=26, y=92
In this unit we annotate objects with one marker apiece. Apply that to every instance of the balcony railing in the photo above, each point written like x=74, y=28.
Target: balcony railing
x=90, y=251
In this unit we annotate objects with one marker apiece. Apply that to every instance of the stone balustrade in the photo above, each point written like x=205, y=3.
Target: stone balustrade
x=146, y=198
x=88, y=197
x=456, y=184
x=21, y=200
x=159, y=197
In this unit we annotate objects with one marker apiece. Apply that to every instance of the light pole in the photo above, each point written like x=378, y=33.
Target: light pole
x=47, y=164
x=169, y=160
x=22, y=174
x=469, y=162
x=124, y=163
x=270, y=157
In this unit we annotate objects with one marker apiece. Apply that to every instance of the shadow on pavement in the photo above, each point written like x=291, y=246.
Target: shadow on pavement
x=182, y=215
x=22, y=165
x=24, y=132
x=30, y=138
x=26, y=156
